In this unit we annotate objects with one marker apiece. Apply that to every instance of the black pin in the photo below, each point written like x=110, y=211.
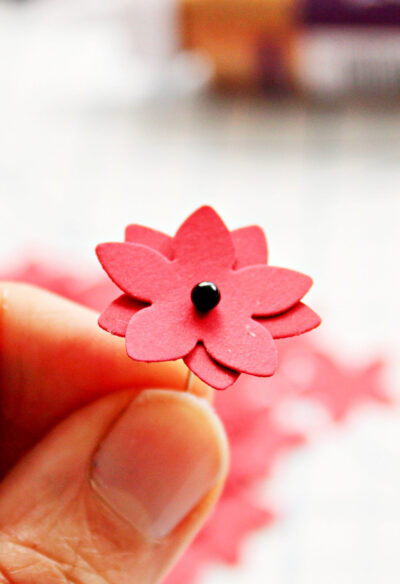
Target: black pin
x=205, y=296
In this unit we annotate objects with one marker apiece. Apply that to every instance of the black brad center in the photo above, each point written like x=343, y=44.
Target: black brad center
x=205, y=296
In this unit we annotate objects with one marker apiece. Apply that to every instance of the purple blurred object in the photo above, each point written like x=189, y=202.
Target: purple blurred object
x=351, y=12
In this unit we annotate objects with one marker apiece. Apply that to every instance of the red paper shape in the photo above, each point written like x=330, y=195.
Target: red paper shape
x=342, y=388
x=220, y=540
x=255, y=448
x=242, y=516
x=161, y=323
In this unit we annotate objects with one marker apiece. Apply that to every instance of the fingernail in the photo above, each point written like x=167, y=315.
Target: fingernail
x=160, y=459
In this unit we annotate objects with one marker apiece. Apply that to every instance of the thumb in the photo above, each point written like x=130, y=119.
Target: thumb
x=113, y=493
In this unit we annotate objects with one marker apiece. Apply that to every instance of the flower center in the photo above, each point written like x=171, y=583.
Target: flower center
x=205, y=296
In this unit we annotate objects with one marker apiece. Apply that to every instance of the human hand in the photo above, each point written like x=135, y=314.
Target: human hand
x=107, y=467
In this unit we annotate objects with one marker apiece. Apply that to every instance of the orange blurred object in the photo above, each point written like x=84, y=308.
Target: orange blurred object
x=250, y=43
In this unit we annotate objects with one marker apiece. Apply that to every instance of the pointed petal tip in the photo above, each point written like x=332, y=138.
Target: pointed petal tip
x=218, y=385
x=116, y=316
x=203, y=240
x=202, y=212
x=136, y=269
x=251, y=246
x=208, y=369
x=98, y=249
x=104, y=323
x=103, y=249
x=205, y=209
x=296, y=321
x=318, y=321
x=226, y=385
x=101, y=323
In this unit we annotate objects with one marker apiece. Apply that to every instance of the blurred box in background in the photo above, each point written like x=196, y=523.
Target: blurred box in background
x=321, y=48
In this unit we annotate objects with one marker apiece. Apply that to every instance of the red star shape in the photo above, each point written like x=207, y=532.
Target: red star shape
x=341, y=388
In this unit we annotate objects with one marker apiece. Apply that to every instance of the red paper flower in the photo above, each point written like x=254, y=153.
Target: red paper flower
x=206, y=295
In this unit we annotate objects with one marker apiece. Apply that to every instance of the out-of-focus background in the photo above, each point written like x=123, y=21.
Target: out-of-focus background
x=287, y=116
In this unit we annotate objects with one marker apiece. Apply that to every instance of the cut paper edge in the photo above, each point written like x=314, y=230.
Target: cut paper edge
x=209, y=370
x=275, y=290
x=150, y=237
x=297, y=320
x=115, y=318
x=138, y=270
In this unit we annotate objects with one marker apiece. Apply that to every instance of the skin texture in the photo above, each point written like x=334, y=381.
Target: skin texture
x=64, y=386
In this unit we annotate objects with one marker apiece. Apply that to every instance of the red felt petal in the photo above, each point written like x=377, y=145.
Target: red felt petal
x=269, y=290
x=250, y=246
x=203, y=241
x=296, y=321
x=159, y=333
x=150, y=237
x=211, y=372
x=116, y=316
x=138, y=270
x=243, y=345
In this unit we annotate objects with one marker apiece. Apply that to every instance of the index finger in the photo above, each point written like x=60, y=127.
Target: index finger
x=55, y=359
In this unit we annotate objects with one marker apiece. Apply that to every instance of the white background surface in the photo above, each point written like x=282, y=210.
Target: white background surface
x=89, y=143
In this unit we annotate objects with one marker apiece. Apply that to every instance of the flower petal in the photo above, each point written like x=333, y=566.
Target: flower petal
x=209, y=371
x=150, y=237
x=203, y=241
x=138, y=270
x=296, y=321
x=160, y=333
x=115, y=318
x=250, y=246
x=243, y=345
x=269, y=290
